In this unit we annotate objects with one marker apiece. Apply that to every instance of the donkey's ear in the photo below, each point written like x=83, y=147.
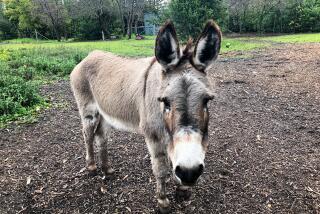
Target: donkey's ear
x=167, y=46
x=207, y=46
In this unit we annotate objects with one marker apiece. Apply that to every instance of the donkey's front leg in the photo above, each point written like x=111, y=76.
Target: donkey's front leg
x=160, y=169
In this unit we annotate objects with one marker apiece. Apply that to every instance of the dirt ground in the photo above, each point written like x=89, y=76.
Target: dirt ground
x=264, y=154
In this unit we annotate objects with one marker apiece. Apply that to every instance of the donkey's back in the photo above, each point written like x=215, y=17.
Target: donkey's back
x=109, y=86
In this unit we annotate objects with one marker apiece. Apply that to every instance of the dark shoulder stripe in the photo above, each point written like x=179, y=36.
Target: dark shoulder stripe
x=146, y=76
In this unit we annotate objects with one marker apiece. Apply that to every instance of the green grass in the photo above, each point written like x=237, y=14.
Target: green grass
x=25, y=41
x=131, y=48
x=238, y=45
x=294, y=38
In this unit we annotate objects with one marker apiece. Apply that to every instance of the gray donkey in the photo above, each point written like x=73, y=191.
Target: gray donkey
x=163, y=97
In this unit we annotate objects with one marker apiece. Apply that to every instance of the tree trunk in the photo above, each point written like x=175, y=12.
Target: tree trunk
x=240, y=24
x=56, y=33
x=129, y=30
x=123, y=22
x=130, y=20
x=274, y=24
x=136, y=26
x=102, y=35
x=123, y=27
x=36, y=34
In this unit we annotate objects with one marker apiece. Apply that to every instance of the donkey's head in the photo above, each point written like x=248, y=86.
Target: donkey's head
x=184, y=96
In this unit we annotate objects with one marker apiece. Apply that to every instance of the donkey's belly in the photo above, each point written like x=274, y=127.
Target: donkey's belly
x=118, y=123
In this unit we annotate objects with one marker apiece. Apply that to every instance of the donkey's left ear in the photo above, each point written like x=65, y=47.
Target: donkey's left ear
x=207, y=46
x=167, y=49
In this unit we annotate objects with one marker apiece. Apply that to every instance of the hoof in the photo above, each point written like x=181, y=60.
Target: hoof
x=92, y=170
x=108, y=171
x=183, y=194
x=164, y=210
x=164, y=205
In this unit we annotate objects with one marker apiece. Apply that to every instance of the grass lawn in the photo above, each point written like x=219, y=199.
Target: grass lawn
x=131, y=48
x=294, y=38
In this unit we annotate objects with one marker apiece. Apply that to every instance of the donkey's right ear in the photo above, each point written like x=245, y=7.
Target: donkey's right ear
x=167, y=49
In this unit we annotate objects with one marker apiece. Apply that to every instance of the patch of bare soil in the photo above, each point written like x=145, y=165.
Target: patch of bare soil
x=264, y=154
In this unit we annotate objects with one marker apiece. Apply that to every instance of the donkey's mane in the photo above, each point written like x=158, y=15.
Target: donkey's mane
x=186, y=53
x=187, y=48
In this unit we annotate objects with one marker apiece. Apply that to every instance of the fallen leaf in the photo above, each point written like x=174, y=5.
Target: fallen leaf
x=57, y=193
x=258, y=137
x=39, y=191
x=103, y=189
x=28, y=180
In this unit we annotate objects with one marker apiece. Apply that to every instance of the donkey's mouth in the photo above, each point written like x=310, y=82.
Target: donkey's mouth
x=180, y=183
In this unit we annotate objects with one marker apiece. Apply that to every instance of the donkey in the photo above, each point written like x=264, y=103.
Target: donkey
x=163, y=97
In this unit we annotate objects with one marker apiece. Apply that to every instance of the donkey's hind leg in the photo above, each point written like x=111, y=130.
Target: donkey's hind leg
x=90, y=120
x=102, y=140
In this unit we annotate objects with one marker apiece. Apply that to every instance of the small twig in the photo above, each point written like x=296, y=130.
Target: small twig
x=293, y=203
x=23, y=209
x=311, y=190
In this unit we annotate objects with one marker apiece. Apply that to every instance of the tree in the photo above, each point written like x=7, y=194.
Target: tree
x=5, y=25
x=311, y=15
x=54, y=14
x=130, y=11
x=102, y=12
x=190, y=15
x=304, y=15
x=99, y=19
x=239, y=15
x=20, y=14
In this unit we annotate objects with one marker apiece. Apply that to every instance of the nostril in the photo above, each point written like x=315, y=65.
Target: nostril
x=179, y=172
x=200, y=169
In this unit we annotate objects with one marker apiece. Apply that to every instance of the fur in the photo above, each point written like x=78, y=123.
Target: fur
x=123, y=93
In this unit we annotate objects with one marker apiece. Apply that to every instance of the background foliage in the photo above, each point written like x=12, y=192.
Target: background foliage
x=102, y=19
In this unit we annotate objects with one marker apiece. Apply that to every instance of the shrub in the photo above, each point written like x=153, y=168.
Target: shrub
x=4, y=55
x=17, y=95
x=20, y=72
x=26, y=72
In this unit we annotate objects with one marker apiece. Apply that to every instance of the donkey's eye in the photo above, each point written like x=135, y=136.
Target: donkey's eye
x=205, y=102
x=166, y=103
x=167, y=106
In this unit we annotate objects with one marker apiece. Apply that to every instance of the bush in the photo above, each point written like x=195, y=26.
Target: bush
x=21, y=71
x=17, y=95
x=4, y=55
x=26, y=72
x=45, y=63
